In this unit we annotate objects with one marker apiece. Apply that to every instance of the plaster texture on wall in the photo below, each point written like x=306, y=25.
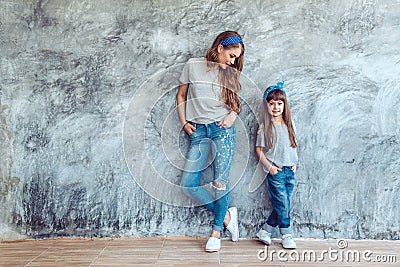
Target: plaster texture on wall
x=87, y=90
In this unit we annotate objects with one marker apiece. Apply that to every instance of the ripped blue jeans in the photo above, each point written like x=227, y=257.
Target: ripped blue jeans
x=210, y=143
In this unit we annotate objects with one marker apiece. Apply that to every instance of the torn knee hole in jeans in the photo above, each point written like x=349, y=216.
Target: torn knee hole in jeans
x=218, y=186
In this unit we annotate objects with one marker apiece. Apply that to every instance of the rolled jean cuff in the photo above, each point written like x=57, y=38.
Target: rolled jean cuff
x=285, y=231
x=268, y=228
x=217, y=228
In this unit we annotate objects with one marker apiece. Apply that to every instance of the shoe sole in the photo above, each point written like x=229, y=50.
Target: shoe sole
x=289, y=247
x=212, y=250
x=265, y=242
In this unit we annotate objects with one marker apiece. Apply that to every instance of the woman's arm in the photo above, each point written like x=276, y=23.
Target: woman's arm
x=181, y=97
x=271, y=168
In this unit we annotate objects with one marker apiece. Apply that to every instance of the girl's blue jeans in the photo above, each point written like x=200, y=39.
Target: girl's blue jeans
x=280, y=187
x=210, y=143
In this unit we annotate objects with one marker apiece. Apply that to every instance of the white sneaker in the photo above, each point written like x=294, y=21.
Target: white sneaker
x=264, y=236
x=233, y=226
x=213, y=244
x=288, y=241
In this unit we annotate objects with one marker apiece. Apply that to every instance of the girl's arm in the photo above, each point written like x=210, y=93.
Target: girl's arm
x=294, y=168
x=271, y=168
x=181, y=97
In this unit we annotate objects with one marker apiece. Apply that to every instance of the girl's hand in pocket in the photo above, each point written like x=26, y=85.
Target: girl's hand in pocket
x=274, y=170
x=294, y=168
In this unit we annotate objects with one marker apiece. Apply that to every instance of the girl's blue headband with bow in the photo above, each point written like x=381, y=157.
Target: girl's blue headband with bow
x=278, y=86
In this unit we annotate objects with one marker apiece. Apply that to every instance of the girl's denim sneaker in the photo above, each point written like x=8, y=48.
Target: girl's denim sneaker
x=288, y=241
x=264, y=236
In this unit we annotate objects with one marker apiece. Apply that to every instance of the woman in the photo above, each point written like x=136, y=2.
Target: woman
x=208, y=104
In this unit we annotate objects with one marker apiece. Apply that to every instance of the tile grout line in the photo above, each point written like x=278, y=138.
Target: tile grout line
x=98, y=255
x=38, y=256
x=219, y=253
x=159, y=254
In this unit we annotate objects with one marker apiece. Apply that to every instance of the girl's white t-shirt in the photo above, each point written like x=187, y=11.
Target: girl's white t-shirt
x=203, y=104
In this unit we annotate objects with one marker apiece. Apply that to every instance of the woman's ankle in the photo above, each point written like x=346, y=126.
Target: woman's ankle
x=227, y=219
x=215, y=233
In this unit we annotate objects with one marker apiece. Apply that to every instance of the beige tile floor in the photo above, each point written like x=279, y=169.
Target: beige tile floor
x=189, y=251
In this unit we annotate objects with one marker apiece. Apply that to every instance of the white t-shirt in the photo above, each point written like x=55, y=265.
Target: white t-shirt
x=282, y=154
x=203, y=104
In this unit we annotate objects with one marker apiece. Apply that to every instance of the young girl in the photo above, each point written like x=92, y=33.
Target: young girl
x=208, y=105
x=276, y=148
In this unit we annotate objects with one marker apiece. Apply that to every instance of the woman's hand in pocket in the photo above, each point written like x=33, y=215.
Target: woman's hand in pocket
x=189, y=128
x=228, y=120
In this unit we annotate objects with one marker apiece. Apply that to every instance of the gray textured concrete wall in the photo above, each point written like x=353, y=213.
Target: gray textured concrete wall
x=70, y=72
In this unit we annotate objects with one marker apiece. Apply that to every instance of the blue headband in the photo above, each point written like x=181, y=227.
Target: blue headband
x=278, y=86
x=231, y=40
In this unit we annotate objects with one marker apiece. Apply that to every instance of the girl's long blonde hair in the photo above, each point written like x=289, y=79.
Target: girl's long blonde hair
x=229, y=78
x=269, y=128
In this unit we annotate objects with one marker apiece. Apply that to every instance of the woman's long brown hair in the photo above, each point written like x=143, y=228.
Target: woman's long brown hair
x=229, y=78
x=269, y=128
